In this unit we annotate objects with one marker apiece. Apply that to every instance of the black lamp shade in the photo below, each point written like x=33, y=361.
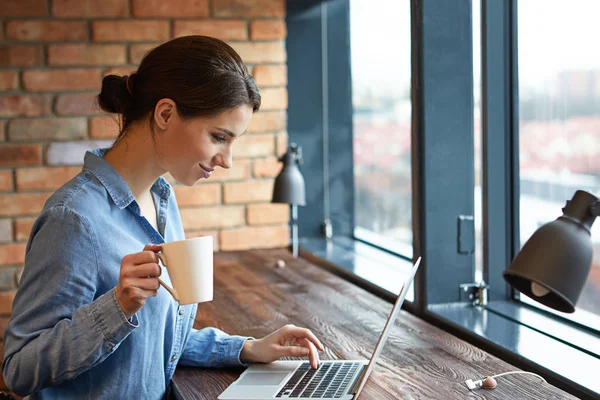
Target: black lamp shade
x=289, y=185
x=554, y=263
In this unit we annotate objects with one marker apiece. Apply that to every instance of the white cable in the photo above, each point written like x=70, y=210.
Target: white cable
x=472, y=385
x=519, y=372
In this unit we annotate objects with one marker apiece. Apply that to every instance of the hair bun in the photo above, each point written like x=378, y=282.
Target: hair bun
x=114, y=96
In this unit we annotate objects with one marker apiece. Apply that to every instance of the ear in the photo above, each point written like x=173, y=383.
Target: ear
x=164, y=111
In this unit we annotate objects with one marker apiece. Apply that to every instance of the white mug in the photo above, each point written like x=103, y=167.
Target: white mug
x=190, y=266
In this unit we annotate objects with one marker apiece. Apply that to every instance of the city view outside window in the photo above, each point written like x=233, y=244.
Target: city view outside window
x=380, y=62
x=559, y=120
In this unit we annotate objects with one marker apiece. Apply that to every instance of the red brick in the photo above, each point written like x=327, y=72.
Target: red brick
x=260, y=52
x=9, y=80
x=268, y=121
x=268, y=214
x=274, y=99
x=6, y=180
x=46, y=31
x=204, y=194
x=12, y=254
x=86, y=54
x=266, y=167
x=212, y=217
x=6, y=302
x=224, y=30
x=23, y=228
x=120, y=71
x=255, y=145
x=281, y=140
x=20, y=56
x=24, y=8
x=131, y=31
x=3, y=322
x=90, y=8
x=255, y=191
x=17, y=106
x=62, y=79
x=171, y=8
x=6, y=231
x=255, y=237
x=77, y=104
x=138, y=51
x=44, y=178
x=270, y=75
x=214, y=234
x=248, y=8
x=268, y=29
x=103, y=128
x=22, y=204
x=18, y=155
x=47, y=128
x=240, y=170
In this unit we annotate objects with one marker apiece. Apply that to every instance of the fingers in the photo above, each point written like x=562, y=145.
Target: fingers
x=155, y=248
x=148, y=284
x=142, y=257
x=305, y=348
x=302, y=333
x=142, y=270
x=313, y=354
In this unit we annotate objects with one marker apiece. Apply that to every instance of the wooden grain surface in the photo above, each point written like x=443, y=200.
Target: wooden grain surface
x=253, y=297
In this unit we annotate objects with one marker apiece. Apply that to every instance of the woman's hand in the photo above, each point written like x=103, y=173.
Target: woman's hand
x=138, y=279
x=288, y=341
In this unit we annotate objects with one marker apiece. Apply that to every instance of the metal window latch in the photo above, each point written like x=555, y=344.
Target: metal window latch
x=478, y=292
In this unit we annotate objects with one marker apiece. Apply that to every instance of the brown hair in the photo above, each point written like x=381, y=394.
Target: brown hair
x=204, y=76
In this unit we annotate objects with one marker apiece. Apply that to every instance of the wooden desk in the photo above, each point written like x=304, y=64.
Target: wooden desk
x=419, y=361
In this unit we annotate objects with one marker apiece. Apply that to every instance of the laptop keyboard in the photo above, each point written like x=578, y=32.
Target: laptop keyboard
x=330, y=380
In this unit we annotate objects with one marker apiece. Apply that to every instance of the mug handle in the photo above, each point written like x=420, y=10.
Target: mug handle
x=169, y=289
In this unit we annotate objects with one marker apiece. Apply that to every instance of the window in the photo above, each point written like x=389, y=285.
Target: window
x=559, y=121
x=381, y=77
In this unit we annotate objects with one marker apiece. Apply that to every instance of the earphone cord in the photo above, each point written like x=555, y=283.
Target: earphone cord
x=519, y=372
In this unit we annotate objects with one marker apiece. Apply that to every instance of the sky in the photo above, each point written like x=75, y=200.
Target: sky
x=554, y=35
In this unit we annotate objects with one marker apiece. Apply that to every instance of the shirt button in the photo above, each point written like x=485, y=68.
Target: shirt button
x=174, y=357
x=181, y=311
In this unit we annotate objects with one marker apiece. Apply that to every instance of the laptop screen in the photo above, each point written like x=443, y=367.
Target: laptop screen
x=388, y=325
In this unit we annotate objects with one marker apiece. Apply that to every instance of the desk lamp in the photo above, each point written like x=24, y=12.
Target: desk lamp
x=289, y=188
x=554, y=263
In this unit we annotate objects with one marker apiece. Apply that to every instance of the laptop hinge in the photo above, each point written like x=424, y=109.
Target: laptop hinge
x=357, y=380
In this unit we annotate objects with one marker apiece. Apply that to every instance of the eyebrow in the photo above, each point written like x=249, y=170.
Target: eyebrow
x=227, y=131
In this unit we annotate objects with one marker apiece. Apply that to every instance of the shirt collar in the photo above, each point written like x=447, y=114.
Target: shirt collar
x=114, y=184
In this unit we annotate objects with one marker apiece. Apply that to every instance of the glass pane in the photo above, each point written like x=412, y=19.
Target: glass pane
x=380, y=57
x=559, y=119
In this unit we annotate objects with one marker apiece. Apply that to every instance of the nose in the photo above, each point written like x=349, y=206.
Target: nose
x=224, y=159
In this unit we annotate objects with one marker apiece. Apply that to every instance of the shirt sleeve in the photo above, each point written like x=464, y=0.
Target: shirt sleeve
x=59, y=326
x=211, y=347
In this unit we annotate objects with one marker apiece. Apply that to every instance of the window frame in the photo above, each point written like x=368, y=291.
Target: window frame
x=318, y=38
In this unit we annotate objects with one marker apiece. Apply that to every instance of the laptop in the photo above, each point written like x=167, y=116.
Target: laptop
x=339, y=379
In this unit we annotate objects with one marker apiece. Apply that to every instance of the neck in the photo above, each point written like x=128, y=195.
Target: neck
x=134, y=158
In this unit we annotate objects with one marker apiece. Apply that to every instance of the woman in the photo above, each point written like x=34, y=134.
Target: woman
x=89, y=319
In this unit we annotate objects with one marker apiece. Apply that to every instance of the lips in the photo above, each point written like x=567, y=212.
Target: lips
x=206, y=171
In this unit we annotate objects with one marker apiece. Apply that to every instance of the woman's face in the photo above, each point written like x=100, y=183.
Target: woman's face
x=191, y=148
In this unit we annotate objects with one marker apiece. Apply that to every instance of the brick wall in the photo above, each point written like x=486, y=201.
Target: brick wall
x=53, y=54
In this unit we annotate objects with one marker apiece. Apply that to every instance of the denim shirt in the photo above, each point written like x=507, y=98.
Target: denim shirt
x=68, y=337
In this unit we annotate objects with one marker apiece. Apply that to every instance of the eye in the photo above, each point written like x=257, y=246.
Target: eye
x=219, y=138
